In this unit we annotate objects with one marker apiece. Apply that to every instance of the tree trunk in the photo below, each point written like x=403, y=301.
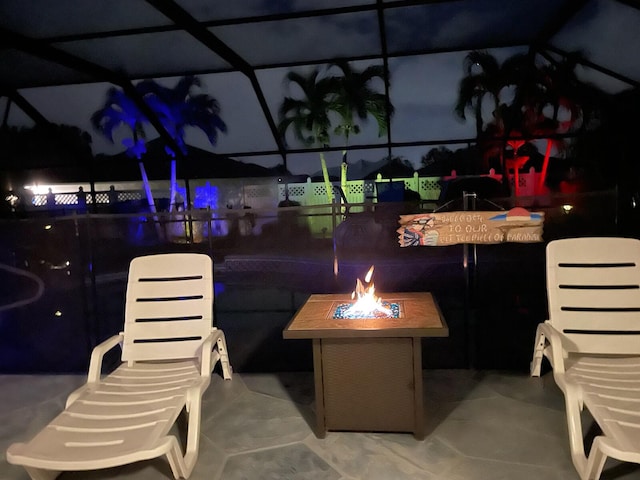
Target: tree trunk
x=479, y=122
x=172, y=188
x=325, y=175
x=343, y=173
x=545, y=164
x=149, y=195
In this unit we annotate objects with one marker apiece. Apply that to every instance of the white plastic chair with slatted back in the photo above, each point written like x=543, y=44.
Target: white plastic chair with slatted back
x=169, y=349
x=592, y=341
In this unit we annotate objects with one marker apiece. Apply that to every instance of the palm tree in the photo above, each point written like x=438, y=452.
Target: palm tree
x=536, y=91
x=349, y=96
x=540, y=94
x=119, y=110
x=354, y=97
x=308, y=117
x=564, y=90
x=179, y=107
x=519, y=88
x=483, y=78
x=176, y=108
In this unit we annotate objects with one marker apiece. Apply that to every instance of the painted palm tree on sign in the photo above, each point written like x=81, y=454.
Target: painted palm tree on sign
x=308, y=116
x=355, y=101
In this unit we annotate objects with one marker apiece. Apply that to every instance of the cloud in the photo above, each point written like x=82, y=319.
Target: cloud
x=607, y=33
x=303, y=39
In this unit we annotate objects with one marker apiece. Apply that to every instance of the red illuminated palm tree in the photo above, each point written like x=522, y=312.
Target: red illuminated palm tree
x=564, y=92
x=540, y=93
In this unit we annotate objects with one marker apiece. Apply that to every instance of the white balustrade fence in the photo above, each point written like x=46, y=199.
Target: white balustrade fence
x=225, y=196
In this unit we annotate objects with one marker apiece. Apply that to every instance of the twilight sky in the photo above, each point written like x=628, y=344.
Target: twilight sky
x=423, y=89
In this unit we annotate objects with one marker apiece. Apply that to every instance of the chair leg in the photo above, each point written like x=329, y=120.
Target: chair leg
x=176, y=460
x=193, y=435
x=538, y=353
x=596, y=461
x=224, y=357
x=573, y=407
x=40, y=474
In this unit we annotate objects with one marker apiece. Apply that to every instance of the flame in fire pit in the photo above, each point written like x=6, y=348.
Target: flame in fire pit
x=366, y=303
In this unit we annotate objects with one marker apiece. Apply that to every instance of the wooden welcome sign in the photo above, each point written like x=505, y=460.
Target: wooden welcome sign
x=450, y=228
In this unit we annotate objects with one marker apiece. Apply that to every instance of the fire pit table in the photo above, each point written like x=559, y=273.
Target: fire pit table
x=368, y=371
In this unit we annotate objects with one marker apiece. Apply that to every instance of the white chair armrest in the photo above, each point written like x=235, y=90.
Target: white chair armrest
x=208, y=362
x=95, y=364
x=553, y=337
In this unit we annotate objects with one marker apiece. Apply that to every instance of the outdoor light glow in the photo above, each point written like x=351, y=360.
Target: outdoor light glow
x=567, y=208
x=38, y=189
x=58, y=313
x=206, y=195
x=48, y=227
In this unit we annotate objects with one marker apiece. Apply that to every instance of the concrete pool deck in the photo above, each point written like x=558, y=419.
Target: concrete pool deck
x=479, y=425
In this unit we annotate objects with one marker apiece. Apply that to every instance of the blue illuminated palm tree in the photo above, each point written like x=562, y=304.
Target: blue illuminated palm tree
x=180, y=107
x=120, y=111
x=176, y=108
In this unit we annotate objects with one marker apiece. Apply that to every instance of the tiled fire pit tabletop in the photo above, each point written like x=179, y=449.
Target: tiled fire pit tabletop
x=368, y=371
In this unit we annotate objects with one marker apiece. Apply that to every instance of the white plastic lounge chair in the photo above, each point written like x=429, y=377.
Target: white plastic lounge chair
x=592, y=340
x=169, y=348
